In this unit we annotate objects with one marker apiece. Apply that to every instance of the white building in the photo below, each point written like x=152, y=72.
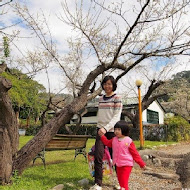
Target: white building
x=154, y=114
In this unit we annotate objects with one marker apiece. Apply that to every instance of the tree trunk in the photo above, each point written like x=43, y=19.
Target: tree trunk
x=36, y=119
x=135, y=120
x=133, y=117
x=49, y=130
x=28, y=121
x=9, y=138
x=17, y=117
x=25, y=155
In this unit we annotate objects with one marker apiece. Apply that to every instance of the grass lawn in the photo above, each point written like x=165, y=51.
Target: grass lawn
x=60, y=169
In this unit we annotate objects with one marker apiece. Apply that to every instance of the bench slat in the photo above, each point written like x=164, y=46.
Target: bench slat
x=65, y=142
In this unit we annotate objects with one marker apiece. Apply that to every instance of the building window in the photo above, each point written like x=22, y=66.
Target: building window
x=90, y=114
x=152, y=117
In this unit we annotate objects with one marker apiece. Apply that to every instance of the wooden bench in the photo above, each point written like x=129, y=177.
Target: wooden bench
x=65, y=142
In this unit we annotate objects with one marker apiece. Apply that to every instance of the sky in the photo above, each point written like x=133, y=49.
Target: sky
x=60, y=32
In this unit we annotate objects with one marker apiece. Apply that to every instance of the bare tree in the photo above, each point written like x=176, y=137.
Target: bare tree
x=8, y=132
x=117, y=41
x=148, y=99
x=178, y=101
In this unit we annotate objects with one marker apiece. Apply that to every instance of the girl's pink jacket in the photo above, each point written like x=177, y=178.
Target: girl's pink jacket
x=124, y=151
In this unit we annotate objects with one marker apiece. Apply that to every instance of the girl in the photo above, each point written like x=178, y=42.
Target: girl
x=109, y=113
x=124, y=153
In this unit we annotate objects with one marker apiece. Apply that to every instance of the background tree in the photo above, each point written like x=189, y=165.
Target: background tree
x=6, y=46
x=8, y=133
x=154, y=37
x=28, y=96
x=177, y=100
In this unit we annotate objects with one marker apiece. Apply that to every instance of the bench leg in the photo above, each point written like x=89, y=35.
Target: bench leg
x=40, y=155
x=80, y=151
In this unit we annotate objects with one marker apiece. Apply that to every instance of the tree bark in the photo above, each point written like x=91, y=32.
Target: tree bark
x=9, y=138
x=19, y=160
x=28, y=121
x=17, y=117
x=49, y=130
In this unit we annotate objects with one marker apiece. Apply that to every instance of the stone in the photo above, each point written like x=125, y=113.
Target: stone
x=157, y=162
x=145, y=157
x=163, y=175
x=83, y=182
x=172, y=164
x=70, y=184
x=58, y=187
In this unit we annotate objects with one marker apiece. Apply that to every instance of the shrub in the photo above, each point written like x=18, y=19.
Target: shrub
x=178, y=129
x=85, y=129
x=32, y=130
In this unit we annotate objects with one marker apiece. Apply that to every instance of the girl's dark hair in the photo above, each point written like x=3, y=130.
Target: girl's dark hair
x=123, y=126
x=113, y=81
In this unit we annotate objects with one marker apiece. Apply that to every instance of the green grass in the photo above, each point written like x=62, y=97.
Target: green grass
x=152, y=144
x=60, y=169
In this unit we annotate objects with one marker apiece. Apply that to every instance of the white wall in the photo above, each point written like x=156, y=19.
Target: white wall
x=92, y=119
x=154, y=107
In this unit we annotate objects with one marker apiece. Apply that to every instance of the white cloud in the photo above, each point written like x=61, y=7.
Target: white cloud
x=60, y=32
x=56, y=82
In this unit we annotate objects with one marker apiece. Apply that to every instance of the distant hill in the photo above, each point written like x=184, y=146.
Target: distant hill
x=182, y=75
x=177, y=99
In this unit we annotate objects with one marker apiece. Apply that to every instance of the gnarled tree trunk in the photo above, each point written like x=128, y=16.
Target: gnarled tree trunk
x=9, y=129
x=9, y=137
x=34, y=146
x=10, y=158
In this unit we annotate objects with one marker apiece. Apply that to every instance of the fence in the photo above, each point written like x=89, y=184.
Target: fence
x=151, y=132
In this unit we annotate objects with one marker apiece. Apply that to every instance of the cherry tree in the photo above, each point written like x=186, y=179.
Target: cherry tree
x=110, y=37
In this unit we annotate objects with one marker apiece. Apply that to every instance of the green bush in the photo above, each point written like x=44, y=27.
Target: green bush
x=32, y=130
x=85, y=129
x=178, y=129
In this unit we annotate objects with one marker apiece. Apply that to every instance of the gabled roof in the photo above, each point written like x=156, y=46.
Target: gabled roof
x=134, y=101
x=129, y=102
x=126, y=101
x=93, y=102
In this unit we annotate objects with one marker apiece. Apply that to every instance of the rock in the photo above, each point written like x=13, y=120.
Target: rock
x=148, y=168
x=145, y=157
x=58, y=187
x=83, y=182
x=157, y=162
x=162, y=175
x=147, y=152
x=70, y=184
x=172, y=164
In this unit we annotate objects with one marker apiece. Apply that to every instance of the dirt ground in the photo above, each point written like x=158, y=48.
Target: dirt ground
x=140, y=181
x=176, y=149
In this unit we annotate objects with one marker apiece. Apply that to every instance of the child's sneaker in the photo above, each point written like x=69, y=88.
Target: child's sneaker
x=117, y=186
x=96, y=187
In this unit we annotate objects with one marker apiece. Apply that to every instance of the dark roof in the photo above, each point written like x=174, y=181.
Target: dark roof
x=129, y=102
x=134, y=101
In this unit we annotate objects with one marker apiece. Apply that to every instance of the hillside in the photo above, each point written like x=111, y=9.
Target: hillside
x=177, y=99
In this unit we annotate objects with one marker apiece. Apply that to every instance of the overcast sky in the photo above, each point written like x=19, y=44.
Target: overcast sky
x=60, y=32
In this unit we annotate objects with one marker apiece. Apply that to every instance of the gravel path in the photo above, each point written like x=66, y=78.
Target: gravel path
x=176, y=149
x=140, y=181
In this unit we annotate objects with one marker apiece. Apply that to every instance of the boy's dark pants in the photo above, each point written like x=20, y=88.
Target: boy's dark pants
x=99, y=153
